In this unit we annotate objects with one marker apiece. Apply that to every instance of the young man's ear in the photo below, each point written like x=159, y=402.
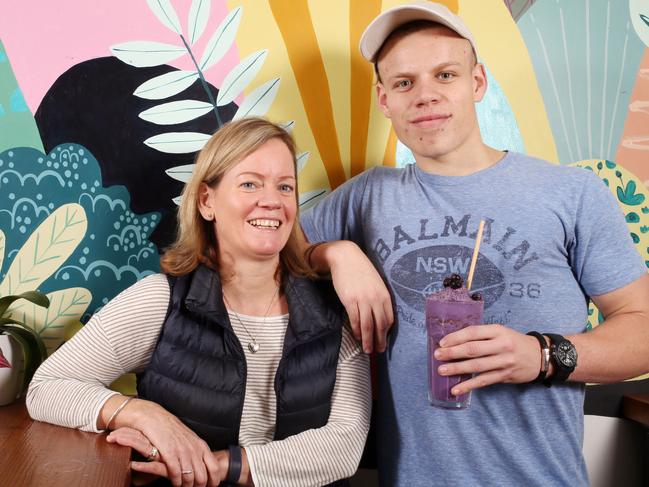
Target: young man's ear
x=205, y=202
x=479, y=82
x=381, y=97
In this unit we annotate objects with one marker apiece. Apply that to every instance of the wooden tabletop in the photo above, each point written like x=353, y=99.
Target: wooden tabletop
x=37, y=454
x=636, y=407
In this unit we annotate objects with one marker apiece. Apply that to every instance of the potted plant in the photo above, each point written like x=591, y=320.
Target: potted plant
x=21, y=348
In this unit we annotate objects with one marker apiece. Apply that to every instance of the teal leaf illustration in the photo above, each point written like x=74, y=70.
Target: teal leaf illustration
x=166, y=14
x=645, y=210
x=632, y=217
x=302, y=160
x=240, y=76
x=629, y=196
x=166, y=85
x=635, y=238
x=599, y=165
x=176, y=112
x=258, y=101
x=644, y=229
x=221, y=40
x=142, y=54
x=177, y=142
x=646, y=262
x=181, y=173
x=605, y=181
x=610, y=164
x=199, y=14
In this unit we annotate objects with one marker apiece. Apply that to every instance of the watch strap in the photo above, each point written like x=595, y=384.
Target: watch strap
x=561, y=372
x=545, y=358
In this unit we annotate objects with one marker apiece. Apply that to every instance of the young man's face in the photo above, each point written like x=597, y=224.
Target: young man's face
x=429, y=84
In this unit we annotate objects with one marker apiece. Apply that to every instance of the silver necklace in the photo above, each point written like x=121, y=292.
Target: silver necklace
x=253, y=346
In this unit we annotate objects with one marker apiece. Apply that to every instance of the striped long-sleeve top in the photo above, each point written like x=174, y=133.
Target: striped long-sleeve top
x=71, y=387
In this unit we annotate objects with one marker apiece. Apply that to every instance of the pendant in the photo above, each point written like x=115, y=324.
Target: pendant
x=253, y=347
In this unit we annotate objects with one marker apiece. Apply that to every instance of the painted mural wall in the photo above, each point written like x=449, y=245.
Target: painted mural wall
x=103, y=106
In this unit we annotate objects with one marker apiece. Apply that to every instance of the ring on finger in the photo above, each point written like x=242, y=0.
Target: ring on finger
x=152, y=454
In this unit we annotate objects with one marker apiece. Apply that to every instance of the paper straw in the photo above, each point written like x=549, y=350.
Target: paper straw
x=474, y=258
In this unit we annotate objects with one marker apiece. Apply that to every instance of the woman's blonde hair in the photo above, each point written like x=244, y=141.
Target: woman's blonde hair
x=196, y=241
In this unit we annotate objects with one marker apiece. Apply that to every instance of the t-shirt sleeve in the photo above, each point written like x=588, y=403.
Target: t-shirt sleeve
x=338, y=215
x=603, y=255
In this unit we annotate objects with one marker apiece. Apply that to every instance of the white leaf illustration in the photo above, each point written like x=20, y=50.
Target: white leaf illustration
x=177, y=200
x=146, y=53
x=302, y=160
x=221, y=40
x=166, y=85
x=177, y=142
x=240, y=76
x=199, y=14
x=288, y=126
x=181, y=173
x=258, y=101
x=310, y=198
x=176, y=112
x=166, y=14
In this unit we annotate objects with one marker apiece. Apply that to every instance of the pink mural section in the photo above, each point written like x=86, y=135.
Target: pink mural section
x=633, y=151
x=64, y=34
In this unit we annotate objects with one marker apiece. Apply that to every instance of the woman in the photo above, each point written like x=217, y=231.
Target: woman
x=245, y=371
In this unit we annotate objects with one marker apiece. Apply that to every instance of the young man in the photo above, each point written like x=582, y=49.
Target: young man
x=554, y=238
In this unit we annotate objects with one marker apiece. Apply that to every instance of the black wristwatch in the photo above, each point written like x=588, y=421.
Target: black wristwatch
x=563, y=355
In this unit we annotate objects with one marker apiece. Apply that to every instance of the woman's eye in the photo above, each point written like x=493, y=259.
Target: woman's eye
x=286, y=188
x=248, y=185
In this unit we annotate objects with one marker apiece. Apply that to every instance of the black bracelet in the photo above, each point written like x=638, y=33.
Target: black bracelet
x=234, y=464
x=545, y=358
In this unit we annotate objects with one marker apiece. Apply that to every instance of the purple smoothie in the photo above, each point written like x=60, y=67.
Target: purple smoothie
x=447, y=311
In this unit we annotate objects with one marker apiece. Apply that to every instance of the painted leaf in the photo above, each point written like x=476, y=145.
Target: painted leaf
x=166, y=14
x=639, y=13
x=199, y=14
x=177, y=142
x=302, y=160
x=240, y=76
x=310, y=198
x=176, y=112
x=181, y=173
x=258, y=101
x=3, y=243
x=66, y=308
x=288, y=126
x=177, y=200
x=46, y=249
x=628, y=196
x=146, y=53
x=166, y=85
x=4, y=363
x=221, y=40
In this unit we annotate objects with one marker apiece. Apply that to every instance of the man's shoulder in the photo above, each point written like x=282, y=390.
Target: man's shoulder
x=542, y=170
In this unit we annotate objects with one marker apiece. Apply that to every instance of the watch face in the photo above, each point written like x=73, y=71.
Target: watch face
x=567, y=354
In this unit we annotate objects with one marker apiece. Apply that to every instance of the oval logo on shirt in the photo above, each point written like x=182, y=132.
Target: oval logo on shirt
x=421, y=272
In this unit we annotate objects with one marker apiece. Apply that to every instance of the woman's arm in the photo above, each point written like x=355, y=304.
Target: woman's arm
x=71, y=387
x=323, y=455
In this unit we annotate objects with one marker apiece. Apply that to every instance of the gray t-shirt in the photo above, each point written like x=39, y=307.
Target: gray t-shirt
x=554, y=235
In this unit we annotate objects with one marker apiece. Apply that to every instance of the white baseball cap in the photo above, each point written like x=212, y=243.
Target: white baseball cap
x=383, y=25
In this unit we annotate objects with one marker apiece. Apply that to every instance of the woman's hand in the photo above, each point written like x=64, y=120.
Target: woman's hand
x=180, y=449
x=147, y=472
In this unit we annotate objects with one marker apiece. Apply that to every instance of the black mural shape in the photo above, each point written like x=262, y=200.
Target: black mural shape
x=93, y=104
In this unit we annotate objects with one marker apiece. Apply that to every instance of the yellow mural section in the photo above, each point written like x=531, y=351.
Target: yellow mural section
x=502, y=49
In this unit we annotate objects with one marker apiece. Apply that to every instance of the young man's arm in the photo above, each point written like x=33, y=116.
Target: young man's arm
x=359, y=287
x=616, y=350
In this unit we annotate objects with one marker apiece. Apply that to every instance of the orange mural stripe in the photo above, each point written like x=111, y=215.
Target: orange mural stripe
x=390, y=156
x=361, y=13
x=294, y=22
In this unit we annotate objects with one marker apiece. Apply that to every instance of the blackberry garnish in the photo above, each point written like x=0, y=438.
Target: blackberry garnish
x=476, y=297
x=447, y=282
x=455, y=281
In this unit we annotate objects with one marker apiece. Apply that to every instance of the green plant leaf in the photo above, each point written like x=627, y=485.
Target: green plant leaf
x=258, y=101
x=35, y=297
x=166, y=14
x=33, y=350
x=142, y=54
x=174, y=112
x=166, y=85
x=177, y=142
x=199, y=15
x=46, y=249
x=221, y=40
x=240, y=76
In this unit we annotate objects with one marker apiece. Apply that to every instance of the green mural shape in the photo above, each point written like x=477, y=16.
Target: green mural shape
x=17, y=124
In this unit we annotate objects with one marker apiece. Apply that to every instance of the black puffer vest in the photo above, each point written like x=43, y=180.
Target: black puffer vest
x=198, y=368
